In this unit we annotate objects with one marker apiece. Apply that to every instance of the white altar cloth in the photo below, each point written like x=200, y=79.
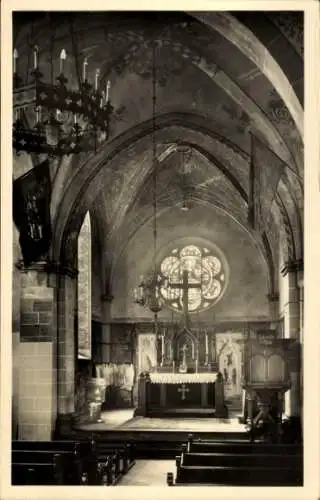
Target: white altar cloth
x=182, y=378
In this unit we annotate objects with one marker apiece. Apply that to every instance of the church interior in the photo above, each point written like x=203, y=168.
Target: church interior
x=158, y=267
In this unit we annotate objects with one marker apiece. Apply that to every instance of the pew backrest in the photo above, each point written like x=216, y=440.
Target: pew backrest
x=38, y=473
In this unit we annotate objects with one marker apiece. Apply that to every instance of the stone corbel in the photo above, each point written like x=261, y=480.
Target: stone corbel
x=292, y=266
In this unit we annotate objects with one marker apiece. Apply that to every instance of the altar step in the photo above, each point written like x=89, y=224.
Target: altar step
x=183, y=413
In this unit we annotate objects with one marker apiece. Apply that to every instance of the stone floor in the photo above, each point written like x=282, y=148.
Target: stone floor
x=123, y=419
x=148, y=473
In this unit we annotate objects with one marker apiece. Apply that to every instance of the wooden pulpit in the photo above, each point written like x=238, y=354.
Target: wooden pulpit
x=266, y=379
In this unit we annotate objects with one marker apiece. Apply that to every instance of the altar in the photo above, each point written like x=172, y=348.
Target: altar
x=182, y=390
x=196, y=394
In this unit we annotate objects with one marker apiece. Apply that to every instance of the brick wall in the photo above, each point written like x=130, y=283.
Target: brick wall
x=36, y=357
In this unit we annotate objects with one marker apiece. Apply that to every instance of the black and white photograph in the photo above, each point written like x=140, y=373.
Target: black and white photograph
x=157, y=240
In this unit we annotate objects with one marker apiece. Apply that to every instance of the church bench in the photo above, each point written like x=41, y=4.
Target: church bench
x=199, y=446
x=42, y=473
x=236, y=476
x=74, y=466
x=70, y=462
x=82, y=461
x=238, y=460
x=105, y=472
x=112, y=463
x=125, y=452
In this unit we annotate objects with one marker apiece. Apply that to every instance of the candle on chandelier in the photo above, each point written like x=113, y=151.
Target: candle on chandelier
x=35, y=56
x=97, y=79
x=38, y=114
x=108, y=85
x=63, y=57
x=84, y=74
x=15, y=58
x=102, y=99
x=75, y=119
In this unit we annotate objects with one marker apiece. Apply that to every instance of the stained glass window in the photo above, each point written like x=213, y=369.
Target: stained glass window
x=195, y=269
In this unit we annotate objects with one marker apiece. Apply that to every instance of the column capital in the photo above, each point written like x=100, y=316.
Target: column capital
x=48, y=267
x=292, y=266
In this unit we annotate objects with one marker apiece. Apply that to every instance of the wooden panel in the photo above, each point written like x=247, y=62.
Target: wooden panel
x=258, y=369
x=276, y=368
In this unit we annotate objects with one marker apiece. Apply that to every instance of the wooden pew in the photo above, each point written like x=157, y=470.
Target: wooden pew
x=238, y=476
x=235, y=460
x=81, y=462
x=238, y=463
x=111, y=459
x=198, y=446
x=125, y=453
x=72, y=461
x=26, y=470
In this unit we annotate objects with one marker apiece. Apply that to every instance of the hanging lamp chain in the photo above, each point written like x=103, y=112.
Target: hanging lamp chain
x=154, y=157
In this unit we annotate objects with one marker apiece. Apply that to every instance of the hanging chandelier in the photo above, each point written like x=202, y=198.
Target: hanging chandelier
x=148, y=291
x=65, y=120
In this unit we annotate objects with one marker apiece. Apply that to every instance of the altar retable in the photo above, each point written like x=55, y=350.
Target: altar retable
x=186, y=380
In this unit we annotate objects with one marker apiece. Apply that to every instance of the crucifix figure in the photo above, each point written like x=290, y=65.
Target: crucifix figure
x=185, y=287
x=184, y=357
x=183, y=389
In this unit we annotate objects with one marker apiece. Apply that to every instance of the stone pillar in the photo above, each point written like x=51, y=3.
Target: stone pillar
x=37, y=354
x=301, y=297
x=16, y=293
x=292, y=324
x=106, y=328
x=66, y=284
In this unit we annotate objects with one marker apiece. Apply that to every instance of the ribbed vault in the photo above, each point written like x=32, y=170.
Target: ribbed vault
x=220, y=77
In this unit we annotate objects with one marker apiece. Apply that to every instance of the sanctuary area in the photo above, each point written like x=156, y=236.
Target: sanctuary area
x=158, y=283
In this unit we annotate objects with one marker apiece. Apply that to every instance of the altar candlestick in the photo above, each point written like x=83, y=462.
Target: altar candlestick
x=107, y=90
x=63, y=57
x=197, y=365
x=173, y=366
x=15, y=58
x=38, y=114
x=207, y=344
x=192, y=350
x=35, y=56
x=97, y=79
x=84, y=74
x=102, y=99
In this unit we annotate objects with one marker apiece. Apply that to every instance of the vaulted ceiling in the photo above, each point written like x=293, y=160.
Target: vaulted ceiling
x=220, y=76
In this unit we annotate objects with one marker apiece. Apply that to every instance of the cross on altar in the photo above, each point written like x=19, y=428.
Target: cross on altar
x=183, y=389
x=185, y=287
x=184, y=349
